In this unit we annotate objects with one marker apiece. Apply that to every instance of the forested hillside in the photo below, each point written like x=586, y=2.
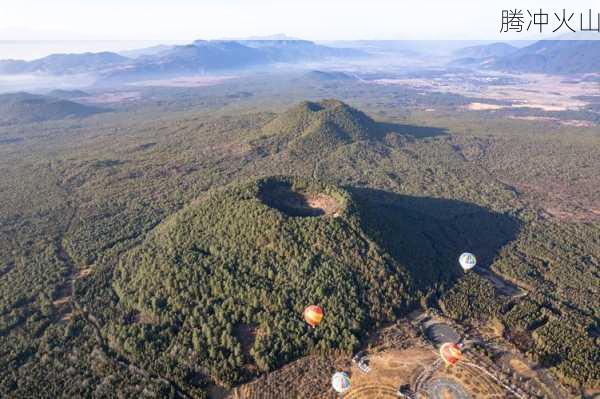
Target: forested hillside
x=234, y=275
x=147, y=252
x=18, y=108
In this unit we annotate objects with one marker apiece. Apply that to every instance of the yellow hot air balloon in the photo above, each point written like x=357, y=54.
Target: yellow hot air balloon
x=313, y=315
x=450, y=353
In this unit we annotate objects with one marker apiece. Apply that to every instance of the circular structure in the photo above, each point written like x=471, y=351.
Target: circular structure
x=445, y=388
x=467, y=261
x=450, y=353
x=418, y=372
x=300, y=202
x=379, y=391
x=313, y=315
x=340, y=382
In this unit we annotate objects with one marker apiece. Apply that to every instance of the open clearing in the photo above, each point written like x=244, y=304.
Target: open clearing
x=300, y=204
x=546, y=92
x=400, y=359
x=421, y=368
x=325, y=203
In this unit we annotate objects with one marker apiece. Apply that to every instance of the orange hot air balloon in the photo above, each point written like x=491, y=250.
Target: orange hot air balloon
x=313, y=315
x=450, y=353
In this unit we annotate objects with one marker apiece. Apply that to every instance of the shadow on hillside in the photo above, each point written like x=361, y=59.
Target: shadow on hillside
x=411, y=130
x=427, y=235
x=281, y=196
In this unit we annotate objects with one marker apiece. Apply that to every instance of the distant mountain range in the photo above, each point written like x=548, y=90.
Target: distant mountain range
x=545, y=56
x=64, y=64
x=487, y=50
x=146, y=51
x=67, y=94
x=202, y=56
x=298, y=50
x=221, y=55
x=329, y=76
x=554, y=56
x=25, y=108
x=199, y=57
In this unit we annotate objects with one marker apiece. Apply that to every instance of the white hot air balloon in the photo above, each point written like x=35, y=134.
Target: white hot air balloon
x=467, y=261
x=340, y=382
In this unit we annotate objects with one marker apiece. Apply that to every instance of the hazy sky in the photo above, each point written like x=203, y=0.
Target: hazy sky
x=311, y=19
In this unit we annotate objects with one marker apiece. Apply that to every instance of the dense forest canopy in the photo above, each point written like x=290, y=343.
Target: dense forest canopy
x=233, y=261
x=146, y=252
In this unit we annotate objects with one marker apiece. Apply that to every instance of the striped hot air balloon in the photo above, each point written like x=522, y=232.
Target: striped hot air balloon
x=450, y=353
x=313, y=315
x=340, y=382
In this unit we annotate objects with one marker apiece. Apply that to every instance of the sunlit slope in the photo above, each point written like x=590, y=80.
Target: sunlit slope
x=315, y=127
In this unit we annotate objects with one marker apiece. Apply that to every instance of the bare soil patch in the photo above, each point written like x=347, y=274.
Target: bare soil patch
x=324, y=202
x=521, y=368
x=83, y=273
x=397, y=358
x=308, y=377
x=300, y=204
x=389, y=370
x=61, y=301
x=63, y=294
x=420, y=366
x=145, y=318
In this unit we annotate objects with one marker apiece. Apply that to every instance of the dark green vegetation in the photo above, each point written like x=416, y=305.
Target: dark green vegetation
x=557, y=323
x=472, y=298
x=83, y=196
x=313, y=128
x=231, y=270
x=232, y=260
x=18, y=108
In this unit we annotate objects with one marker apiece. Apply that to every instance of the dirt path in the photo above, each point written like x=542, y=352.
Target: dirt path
x=493, y=377
x=426, y=374
x=65, y=296
x=68, y=304
x=316, y=169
